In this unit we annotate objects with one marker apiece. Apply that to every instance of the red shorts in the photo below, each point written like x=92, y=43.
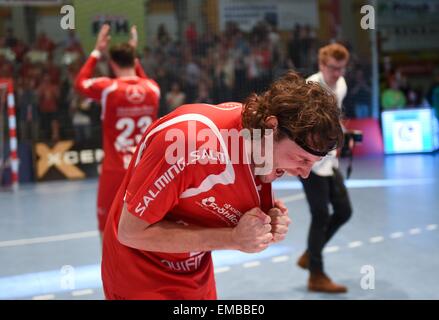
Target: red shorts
x=109, y=183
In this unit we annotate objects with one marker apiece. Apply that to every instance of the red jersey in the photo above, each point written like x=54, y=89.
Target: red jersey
x=129, y=106
x=200, y=186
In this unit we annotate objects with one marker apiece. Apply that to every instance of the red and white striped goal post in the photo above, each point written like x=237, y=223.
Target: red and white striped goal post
x=12, y=122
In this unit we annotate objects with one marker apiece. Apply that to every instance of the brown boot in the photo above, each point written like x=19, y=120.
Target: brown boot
x=303, y=261
x=320, y=282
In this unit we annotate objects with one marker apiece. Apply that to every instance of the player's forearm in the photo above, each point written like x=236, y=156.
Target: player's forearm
x=166, y=236
x=86, y=72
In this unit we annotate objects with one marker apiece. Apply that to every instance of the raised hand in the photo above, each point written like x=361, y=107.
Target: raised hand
x=103, y=38
x=134, y=37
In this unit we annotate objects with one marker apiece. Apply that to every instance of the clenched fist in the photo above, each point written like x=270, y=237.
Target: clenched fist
x=279, y=221
x=253, y=232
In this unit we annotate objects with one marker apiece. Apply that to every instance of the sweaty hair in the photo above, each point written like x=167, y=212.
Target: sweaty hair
x=306, y=112
x=334, y=50
x=123, y=54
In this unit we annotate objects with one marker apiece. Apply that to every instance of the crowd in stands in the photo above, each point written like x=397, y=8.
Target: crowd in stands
x=199, y=68
x=397, y=92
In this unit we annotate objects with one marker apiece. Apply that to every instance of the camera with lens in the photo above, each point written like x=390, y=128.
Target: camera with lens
x=351, y=137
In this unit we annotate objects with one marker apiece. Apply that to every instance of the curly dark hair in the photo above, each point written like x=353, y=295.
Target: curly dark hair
x=306, y=112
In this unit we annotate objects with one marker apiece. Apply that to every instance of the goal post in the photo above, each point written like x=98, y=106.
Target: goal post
x=8, y=102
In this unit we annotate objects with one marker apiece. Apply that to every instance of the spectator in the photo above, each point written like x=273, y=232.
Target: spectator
x=6, y=68
x=27, y=109
x=413, y=98
x=191, y=36
x=43, y=43
x=149, y=62
x=164, y=81
x=79, y=110
x=20, y=49
x=361, y=94
x=294, y=45
x=253, y=64
x=71, y=45
x=393, y=97
x=10, y=39
x=203, y=94
x=192, y=77
x=175, y=97
x=163, y=36
x=433, y=95
x=309, y=43
x=52, y=70
x=48, y=96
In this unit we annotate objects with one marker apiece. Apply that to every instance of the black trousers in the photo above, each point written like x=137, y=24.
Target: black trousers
x=320, y=193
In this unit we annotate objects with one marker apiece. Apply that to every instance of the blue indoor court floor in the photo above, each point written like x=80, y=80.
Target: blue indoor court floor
x=50, y=249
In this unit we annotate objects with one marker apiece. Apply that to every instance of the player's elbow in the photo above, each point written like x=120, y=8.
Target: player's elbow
x=131, y=229
x=127, y=237
x=123, y=236
x=78, y=85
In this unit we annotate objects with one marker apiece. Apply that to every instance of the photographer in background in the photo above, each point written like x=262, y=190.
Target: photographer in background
x=325, y=185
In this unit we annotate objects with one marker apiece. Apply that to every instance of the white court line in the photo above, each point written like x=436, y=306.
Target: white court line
x=84, y=292
x=52, y=188
x=221, y=269
x=280, y=259
x=252, y=264
x=355, y=244
x=415, y=231
x=91, y=234
x=44, y=297
x=331, y=249
x=376, y=239
x=60, y=237
x=396, y=235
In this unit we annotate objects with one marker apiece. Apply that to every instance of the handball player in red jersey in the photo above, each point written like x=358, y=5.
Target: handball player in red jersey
x=129, y=105
x=196, y=184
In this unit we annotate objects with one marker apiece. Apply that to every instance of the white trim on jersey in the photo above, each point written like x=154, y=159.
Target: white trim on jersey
x=87, y=83
x=96, y=53
x=104, y=97
x=153, y=87
x=225, y=108
x=225, y=178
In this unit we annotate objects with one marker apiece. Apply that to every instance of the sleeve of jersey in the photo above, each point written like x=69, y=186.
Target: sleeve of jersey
x=157, y=182
x=154, y=88
x=139, y=69
x=88, y=86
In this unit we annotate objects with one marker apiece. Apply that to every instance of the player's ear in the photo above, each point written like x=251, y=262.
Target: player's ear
x=271, y=122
